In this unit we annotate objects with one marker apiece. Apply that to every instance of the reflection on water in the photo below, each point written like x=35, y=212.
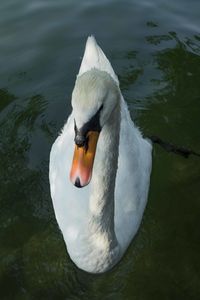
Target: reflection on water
x=174, y=102
x=159, y=75
x=24, y=194
x=6, y=98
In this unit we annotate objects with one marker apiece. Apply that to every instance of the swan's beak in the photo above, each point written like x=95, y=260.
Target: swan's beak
x=82, y=164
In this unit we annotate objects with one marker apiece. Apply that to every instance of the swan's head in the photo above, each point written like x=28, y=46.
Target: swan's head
x=94, y=98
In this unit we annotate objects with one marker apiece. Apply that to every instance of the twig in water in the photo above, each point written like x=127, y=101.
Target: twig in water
x=172, y=148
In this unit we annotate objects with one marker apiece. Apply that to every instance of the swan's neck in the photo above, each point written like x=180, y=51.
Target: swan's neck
x=101, y=202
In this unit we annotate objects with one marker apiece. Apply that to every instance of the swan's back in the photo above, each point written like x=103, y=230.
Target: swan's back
x=95, y=58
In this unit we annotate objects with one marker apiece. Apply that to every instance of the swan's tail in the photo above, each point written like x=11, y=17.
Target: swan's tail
x=95, y=58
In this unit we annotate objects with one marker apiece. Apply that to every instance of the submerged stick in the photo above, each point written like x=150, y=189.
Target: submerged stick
x=169, y=147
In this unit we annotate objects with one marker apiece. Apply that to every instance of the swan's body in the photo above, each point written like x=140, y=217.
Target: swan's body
x=99, y=221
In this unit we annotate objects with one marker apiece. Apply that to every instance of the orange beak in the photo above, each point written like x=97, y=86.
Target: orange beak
x=83, y=160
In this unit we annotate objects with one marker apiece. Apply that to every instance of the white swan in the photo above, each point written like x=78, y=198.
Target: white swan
x=99, y=221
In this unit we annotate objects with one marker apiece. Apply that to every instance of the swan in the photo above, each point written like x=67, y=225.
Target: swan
x=99, y=168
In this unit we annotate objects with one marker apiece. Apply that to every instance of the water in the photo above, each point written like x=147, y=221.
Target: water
x=154, y=47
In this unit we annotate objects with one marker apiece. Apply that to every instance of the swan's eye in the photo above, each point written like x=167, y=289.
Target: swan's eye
x=101, y=107
x=75, y=127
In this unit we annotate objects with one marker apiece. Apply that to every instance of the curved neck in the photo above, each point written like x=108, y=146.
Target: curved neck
x=101, y=202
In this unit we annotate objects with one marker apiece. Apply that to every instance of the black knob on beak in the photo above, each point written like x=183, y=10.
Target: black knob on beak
x=80, y=140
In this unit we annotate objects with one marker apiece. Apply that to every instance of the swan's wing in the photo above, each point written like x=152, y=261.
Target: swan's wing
x=95, y=58
x=132, y=181
x=70, y=204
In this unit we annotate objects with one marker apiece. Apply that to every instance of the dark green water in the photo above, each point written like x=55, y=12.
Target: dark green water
x=154, y=47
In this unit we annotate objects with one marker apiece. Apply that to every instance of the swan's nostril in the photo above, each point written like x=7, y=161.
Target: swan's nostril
x=78, y=183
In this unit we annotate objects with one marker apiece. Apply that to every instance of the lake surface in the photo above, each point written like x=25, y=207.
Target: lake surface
x=154, y=47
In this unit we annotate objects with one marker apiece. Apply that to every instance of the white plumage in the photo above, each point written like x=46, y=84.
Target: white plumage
x=99, y=221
